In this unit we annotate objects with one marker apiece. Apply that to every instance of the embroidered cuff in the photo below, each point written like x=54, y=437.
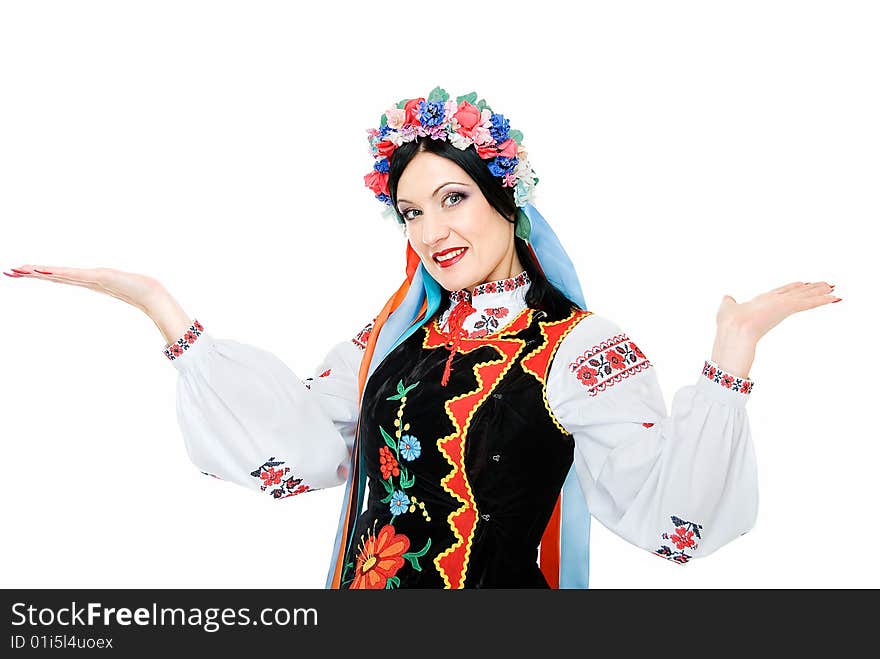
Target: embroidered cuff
x=724, y=387
x=194, y=340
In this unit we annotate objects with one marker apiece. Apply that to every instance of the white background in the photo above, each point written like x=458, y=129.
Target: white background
x=685, y=150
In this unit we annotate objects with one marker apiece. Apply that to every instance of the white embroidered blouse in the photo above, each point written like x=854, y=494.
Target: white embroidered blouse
x=679, y=485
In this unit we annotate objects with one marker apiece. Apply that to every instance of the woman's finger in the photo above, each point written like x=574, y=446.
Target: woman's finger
x=788, y=287
x=60, y=274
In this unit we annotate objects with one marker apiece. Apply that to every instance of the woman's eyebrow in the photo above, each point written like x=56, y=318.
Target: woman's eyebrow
x=437, y=190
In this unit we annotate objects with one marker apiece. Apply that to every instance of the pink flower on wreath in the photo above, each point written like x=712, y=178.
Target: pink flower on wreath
x=411, y=111
x=385, y=148
x=683, y=537
x=395, y=118
x=377, y=181
x=469, y=118
x=506, y=149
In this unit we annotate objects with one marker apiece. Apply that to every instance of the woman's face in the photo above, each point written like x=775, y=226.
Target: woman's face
x=443, y=209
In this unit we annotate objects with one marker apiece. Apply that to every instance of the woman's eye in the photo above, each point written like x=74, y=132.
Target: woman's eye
x=455, y=194
x=459, y=195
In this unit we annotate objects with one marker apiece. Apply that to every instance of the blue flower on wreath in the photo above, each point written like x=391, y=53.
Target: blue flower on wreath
x=381, y=165
x=409, y=447
x=431, y=113
x=399, y=502
x=501, y=165
x=500, y=128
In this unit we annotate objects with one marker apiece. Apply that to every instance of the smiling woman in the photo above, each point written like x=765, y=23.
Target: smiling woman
x=467, y=210
x=489, y=412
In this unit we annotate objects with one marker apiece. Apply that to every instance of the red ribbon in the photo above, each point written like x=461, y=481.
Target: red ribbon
x=455, y=331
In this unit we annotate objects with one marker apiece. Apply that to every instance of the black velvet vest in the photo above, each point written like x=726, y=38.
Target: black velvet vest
x=462, y=478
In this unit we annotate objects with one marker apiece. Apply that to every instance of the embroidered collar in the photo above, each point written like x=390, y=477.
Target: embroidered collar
x=495, y=304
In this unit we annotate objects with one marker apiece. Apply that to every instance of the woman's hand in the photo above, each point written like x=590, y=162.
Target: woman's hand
x=740, y=325
x=138, y=290
x=762, y=313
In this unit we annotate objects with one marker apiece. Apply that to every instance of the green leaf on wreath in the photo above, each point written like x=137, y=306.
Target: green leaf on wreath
x=515, y=135
x=438, y=94
x=470, y=98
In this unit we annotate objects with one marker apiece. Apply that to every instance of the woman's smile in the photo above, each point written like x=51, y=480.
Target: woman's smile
x=448, y=258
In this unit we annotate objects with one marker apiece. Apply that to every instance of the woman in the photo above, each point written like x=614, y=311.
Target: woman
x=487, y=409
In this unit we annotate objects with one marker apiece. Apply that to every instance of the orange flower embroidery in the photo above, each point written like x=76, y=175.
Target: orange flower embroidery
x=380, y=558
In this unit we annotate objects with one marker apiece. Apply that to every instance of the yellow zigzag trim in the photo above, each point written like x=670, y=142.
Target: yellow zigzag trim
x=462, y=433
x=543, y=380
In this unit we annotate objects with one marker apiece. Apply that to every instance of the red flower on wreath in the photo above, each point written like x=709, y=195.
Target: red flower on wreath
x=388, y=463
x=380, y=558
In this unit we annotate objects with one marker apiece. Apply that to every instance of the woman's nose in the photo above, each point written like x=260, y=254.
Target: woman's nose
x=434, y=230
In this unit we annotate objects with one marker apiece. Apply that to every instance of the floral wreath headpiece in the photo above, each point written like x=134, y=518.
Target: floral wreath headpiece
x=461, y=122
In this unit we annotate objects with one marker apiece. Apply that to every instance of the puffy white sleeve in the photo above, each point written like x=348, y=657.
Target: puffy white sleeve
x=679, y=485
x=247, y=418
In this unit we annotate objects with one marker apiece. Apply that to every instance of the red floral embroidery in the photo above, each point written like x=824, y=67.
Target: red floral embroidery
x=272, y=476
x=607, y=363
x=683, y=538
x=380, y=557
x=308, y=381
x=177, y=348
x=361, y=338
x=727, y=380
x=388, y=463
x=271, y=473
x=509, y=284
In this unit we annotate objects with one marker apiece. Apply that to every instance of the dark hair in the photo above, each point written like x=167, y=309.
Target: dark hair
x=541, y=294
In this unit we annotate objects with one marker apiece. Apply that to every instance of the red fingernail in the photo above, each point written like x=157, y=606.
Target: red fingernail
x=8, y=275
x=837, y=300
x=41, y=272
x=21, y=272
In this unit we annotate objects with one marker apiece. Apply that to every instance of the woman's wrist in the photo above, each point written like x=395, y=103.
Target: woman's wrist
x=170, y=318
x=734, y=350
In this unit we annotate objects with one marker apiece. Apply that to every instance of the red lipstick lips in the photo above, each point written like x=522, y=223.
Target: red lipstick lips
x=453, y=260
